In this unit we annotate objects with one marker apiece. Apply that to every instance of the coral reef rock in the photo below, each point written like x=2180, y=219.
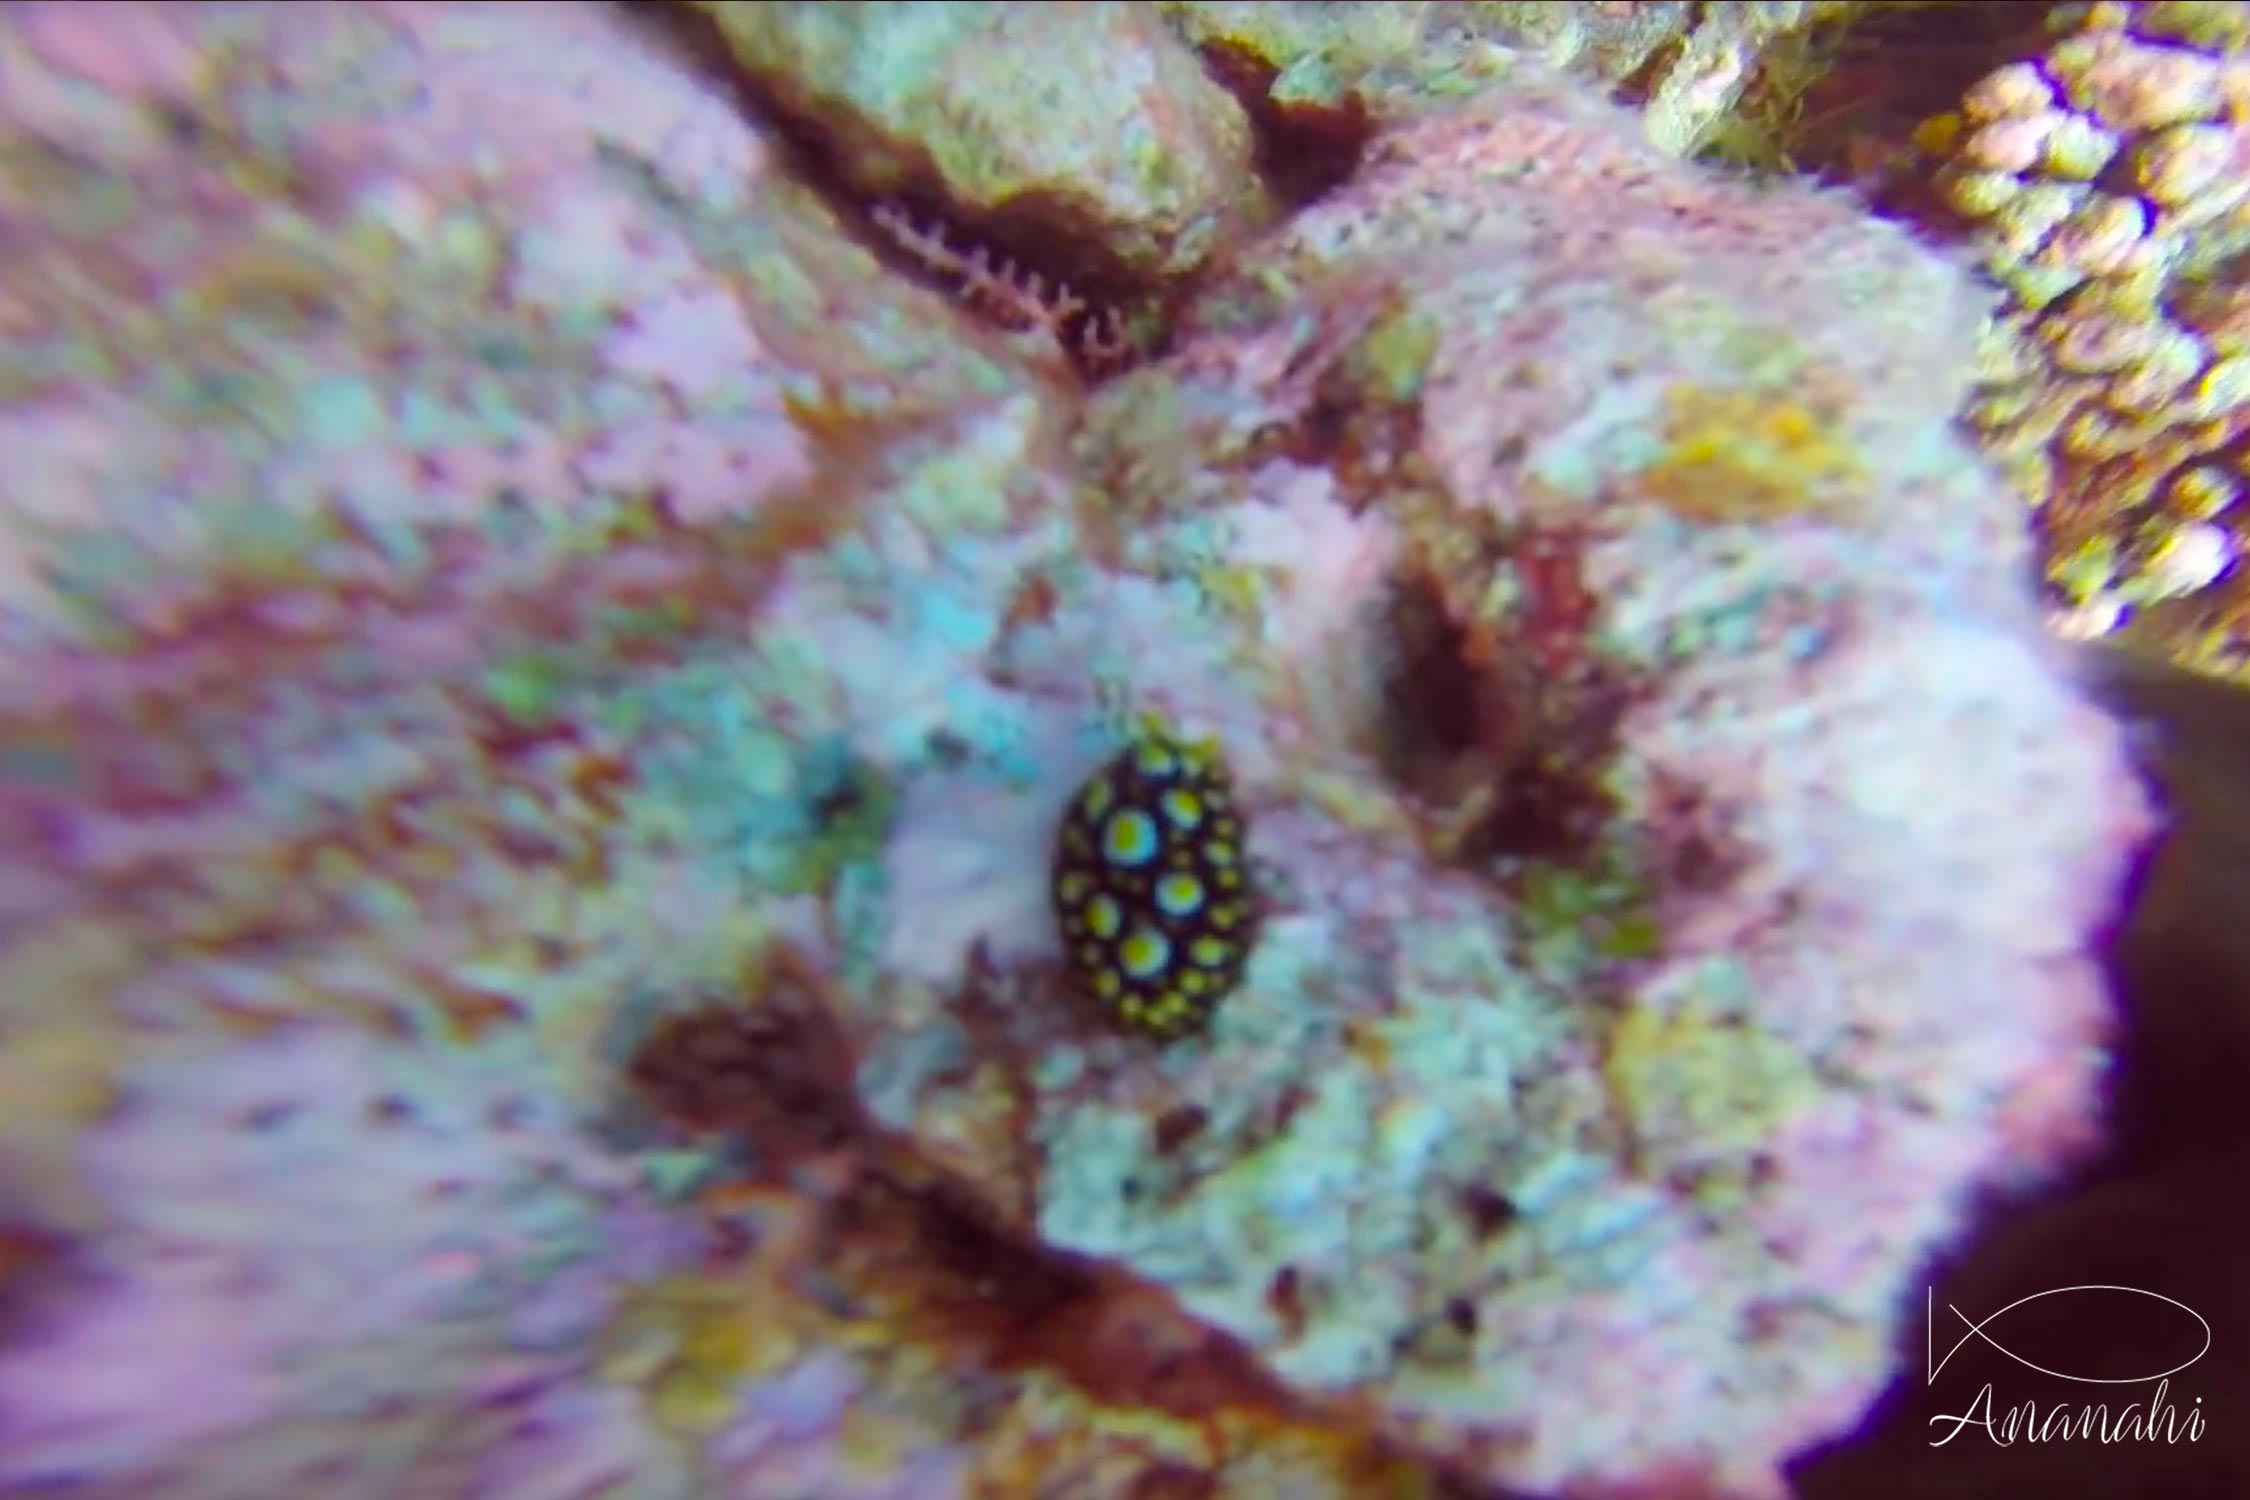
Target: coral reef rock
x=539, y=679
x=1086, y=122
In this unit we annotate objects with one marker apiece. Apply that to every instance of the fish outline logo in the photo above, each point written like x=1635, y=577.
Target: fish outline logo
x=1977, y=1329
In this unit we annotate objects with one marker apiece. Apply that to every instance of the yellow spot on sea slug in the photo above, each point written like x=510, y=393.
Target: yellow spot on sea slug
x=1179, y=895
x=1130, y=838
x=1104, y=916
x=1145, y=953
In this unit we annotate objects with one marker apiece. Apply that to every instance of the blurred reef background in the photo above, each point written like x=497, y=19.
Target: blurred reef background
x=1089, y=750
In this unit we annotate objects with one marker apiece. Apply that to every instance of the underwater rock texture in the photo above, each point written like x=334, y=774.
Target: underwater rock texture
x=1084, y=121
x=1683, y=66
x=522, y=644
x=1706, y=536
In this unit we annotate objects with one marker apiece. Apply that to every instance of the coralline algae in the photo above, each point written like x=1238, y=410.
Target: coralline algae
x=497, y=568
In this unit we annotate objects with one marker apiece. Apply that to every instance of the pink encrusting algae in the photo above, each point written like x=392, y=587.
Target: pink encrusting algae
x=540, y=677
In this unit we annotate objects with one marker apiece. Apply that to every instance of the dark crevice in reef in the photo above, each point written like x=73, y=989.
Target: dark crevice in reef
x=1433, y=697
x=903, y=1238
x=774, y=1077
x=1302, y=151
x=1842, y=100
x=1636, y=88
x=778, y=1075
x=1503, y=731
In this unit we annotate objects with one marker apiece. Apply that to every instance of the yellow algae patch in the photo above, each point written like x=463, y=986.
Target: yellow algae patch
x=688, y=1341
x=62, y=1043
x=1699, y=1087
x=1051, y=1440
x=1746, y=455
x=1937, y=135
x=1357, y=803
